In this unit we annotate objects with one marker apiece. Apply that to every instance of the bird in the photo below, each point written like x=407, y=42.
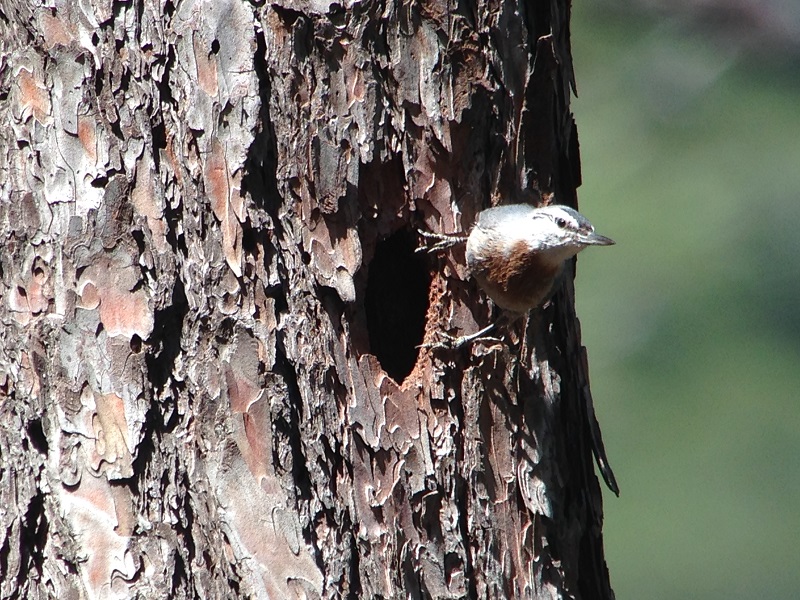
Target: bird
x=517, y=254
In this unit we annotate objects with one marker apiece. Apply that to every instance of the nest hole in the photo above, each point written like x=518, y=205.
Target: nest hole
x=396, y=303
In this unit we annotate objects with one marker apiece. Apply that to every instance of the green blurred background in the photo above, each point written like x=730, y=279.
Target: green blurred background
x=689, y=123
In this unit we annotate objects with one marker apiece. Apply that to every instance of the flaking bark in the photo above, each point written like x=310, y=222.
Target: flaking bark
x=194, y=196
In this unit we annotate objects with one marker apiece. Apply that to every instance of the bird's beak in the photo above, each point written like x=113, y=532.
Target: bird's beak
x=595, y=239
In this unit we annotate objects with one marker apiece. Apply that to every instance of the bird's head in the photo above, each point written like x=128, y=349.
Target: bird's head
x=562, y=229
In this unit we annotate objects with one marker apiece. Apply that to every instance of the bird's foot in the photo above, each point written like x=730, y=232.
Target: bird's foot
x=438, y=242
x=447, y=341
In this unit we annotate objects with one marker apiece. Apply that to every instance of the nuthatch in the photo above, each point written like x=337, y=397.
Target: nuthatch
x=517, y=253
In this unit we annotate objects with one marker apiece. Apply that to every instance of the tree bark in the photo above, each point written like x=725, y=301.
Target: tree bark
x=210, y=380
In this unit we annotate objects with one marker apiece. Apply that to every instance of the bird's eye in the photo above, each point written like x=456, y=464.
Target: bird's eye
x=561, y=222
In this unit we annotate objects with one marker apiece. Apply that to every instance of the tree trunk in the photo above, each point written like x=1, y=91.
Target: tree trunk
x=210, y=375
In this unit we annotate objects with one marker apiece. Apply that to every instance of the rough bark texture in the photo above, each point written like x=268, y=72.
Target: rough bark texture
x=209, y=385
